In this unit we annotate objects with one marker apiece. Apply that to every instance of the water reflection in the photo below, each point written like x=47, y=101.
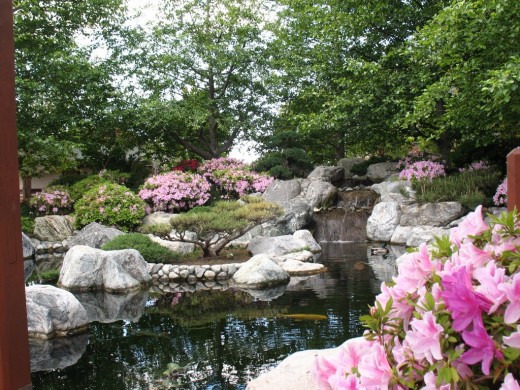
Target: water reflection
x=220, y=338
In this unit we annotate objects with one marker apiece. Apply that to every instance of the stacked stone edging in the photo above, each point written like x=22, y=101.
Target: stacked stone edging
x=186, y=273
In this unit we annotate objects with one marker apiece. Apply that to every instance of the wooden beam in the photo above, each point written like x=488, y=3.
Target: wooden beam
x=15, y=370
x=513, y=180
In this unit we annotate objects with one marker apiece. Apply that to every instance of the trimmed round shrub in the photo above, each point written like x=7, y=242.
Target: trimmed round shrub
x=175, y=191
x=233, y=178
x=51, y=201
x=78, y=189
x=151, y=251
x=110, y=204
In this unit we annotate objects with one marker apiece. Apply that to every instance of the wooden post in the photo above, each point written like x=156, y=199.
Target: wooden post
x=15, y=370
x=513, y=180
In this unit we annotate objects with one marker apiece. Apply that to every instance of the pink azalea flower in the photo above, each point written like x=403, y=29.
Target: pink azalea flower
x=473, y=225
x=510, y=383
x=513, y=340
x=351, y=351
x=482, y=348
x=424, y=338
x=323, y=369
x=414, y=269
x=490, y=278
x=465, y=305
x=400, y=306
x=374, y=368
x=430, y=383
x=342, y=382
x=471, y=256
x=512, y=291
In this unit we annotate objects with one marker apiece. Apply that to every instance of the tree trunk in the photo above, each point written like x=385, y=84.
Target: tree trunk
x=340, y=146
x=26, y=188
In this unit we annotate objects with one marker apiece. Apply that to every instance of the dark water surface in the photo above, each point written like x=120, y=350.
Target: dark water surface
x=220, y=339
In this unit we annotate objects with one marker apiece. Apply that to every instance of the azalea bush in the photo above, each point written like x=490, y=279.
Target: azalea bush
x=112, y=205
x=500, y=197
x=187, y=166
x=233, y=178
x=51, y=201
x=175, y=191
x=422, y=170
x=449, y=320
x=476, y=166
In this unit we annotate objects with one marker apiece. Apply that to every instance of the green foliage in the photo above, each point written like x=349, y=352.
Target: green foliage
x=68, y=179
x=27, y=215
x=78, y=189
x=469, y=188
x=50, y=275
x=110, y=204
x=217, y=225
x=151, y=251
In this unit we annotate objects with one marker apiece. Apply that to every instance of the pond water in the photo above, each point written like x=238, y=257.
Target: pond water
x=215, y=339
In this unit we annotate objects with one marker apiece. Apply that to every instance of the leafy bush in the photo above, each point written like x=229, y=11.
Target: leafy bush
x=449, y=319
x=77, y=190
x=285, y=164
x=68, y=179
x=233, y=178
x=175, y=191
x=151, y=251
x=27, y=218
x=110, y=204
x=52, y=200
x=470, y=188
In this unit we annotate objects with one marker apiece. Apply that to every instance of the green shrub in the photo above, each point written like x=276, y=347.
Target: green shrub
x=45, y=276
x=151, y=251
x=27, y=219
x=285, y=164
x=68, y=179
x=110, y=204
x=470, y=188
x=77, y=190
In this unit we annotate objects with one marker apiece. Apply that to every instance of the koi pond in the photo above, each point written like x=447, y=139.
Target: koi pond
x=212, y=339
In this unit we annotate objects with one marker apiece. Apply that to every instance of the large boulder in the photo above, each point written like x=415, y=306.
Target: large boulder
x=158, y=218
x=394, y=191
x=53, y=227
x=420, y=234
x=320, y=193
x=382, y=171
x=297, y=215
x=57, y=353
x=105, y=307
x=282, y=245
x=94, y=235
x=27, y=247
x=85, y=268
x=53, y=312
x=430, y=214
x=300, y=268
x=327, y=173
x=280, y=191
x=260, y=272
x=383, y=221
x=347, y=164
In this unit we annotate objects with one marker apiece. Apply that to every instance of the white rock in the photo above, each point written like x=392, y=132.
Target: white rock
x=259, y=272
x=383, y=221
x=308, y=240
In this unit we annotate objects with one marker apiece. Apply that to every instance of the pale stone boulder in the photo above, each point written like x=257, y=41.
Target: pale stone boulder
x=260, y=272
x=327, y=173
x=383, y=221
x=158, y=217
x=302, y=256
x=28, y=249
x=275, y=246
x=300, y=268
x=394, y=191
x=94, y=235
x=280, y=191
x=420, y=234
x=320, y=193
x=53, y=227
x=175, y=246
x=347, y=164
x=85, y=268
x=401, y=234
x=53, y=312
x=430, y=214
x=297, y=215
x=308, y=240
x=382, y=171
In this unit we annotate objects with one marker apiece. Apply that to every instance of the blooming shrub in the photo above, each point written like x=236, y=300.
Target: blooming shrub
x=187, y=166
x=110, y=204
x=476, y=166
x=51, y=201
x=233, y=178
x=421, y=170
x=449, y=320
x=500, y=197
x=175, y=191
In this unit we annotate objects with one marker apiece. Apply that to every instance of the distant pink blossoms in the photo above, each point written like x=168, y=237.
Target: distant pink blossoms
x=450, y=317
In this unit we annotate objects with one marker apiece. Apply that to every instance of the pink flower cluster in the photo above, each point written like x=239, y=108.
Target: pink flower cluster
x=175, y=191
x=51, y=202
x=500, y=197
x=450, y=317
x=233, y=177
x=475, y=166
x=421, y=170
